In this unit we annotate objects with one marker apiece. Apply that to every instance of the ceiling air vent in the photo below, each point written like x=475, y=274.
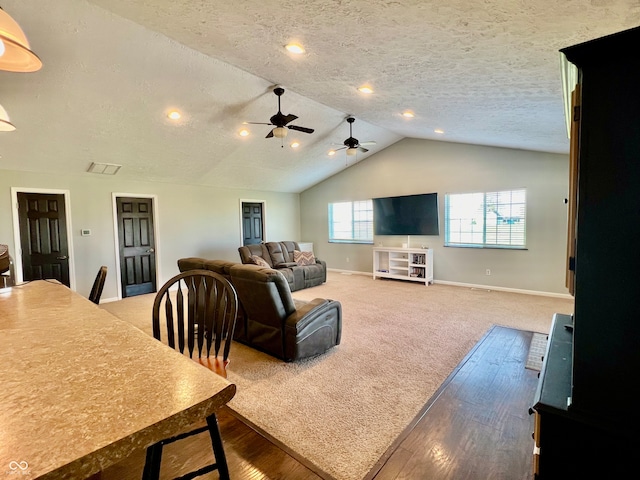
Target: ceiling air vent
x=104, y=168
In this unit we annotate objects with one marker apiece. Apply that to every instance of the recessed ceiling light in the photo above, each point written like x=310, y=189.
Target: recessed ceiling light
x=439, y=131
x=331, y=153
x=244, y=133
x=365, y=89
x=174, y=115
x=295, y=145
x=408, y=114
x=295, y=48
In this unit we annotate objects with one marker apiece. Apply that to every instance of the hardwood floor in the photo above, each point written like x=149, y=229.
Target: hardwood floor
x=477, y=426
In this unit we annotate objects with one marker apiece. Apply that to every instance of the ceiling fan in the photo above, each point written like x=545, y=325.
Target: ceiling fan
x=280, y=121
x=353, y=145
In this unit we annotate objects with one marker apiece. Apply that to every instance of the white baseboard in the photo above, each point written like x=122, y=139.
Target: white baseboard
x=505, y=289
x=349, y=272
x=470, y=285
x=108, y=300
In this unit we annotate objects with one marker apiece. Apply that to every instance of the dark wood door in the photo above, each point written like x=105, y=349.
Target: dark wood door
x=137, y=245
x=252, y=223
x=43, y=237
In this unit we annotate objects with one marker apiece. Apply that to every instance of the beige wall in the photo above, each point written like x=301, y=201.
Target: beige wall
x=191, y=221
x=200, y=221
x=422, y=166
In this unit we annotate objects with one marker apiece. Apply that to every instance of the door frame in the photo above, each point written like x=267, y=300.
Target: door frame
x=264, y=218
x=116, y=241
x=17, y=248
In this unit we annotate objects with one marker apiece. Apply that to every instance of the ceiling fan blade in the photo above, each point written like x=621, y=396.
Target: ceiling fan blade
x=363, y=150
x=368, y=143
x=257, y=123
x=301, y=129
x=289, y=118
x=337, y=149
x=270, y=134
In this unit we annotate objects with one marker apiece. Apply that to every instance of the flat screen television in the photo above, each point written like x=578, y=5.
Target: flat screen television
x=406, y=215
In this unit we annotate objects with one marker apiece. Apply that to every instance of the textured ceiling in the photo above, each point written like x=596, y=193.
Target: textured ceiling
x=486, y=72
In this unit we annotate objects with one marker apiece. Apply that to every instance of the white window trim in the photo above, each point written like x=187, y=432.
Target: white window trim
x=368, y=241
x=484, y=244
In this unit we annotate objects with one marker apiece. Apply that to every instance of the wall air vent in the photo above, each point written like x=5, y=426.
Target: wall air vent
x=104, y=168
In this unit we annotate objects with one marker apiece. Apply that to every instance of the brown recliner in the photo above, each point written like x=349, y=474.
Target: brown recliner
x=279, y=325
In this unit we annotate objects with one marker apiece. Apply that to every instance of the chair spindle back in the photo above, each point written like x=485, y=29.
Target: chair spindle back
x=202, y=313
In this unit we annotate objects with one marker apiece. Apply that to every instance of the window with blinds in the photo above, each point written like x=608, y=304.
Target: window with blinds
x=351, y=222
x=486, y=220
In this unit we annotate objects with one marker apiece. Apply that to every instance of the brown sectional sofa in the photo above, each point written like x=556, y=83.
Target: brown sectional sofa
x=280, y=256
x=269, y=318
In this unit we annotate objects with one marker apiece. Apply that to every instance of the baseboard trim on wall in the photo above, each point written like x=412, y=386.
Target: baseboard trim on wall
x=505, y=289
x=349, y=272
x=108, y=300
x=471, y=285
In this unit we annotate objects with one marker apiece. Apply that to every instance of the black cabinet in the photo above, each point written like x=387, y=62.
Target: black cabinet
x=607, y=283
x=569, y=444
x=601, y=380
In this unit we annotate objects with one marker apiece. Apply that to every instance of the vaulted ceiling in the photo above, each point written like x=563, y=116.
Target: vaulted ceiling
x=484, y=72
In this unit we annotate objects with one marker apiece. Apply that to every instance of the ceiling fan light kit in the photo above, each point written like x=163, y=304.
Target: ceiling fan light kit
x=280, y=122
x=281, y=127
x=15, y=52
x=279, y=132
x=352, y=144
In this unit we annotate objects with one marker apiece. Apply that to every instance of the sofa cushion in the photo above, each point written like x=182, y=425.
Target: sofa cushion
x=277, y=253
x=288, y=248
x=303, y=258
x=259, y=249
x=258, y=260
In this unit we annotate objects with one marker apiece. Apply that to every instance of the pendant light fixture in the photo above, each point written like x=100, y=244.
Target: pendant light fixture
x=5, y=123
x=15, y=51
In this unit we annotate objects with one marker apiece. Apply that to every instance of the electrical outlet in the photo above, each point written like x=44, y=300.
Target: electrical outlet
x=347, y=259
x=488, y=271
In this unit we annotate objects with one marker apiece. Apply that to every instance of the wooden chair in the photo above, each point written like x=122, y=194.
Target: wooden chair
x=98, y=285
x=198, y=318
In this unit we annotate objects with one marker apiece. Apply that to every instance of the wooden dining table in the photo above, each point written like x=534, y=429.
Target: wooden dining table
x=81, y=389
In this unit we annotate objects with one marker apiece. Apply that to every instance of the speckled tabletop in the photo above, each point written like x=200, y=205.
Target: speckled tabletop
x=81, y=389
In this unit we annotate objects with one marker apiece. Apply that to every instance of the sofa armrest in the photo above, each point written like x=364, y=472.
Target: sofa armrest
x=286, y=265
x=324, y=268
x=312, y=329
x=303, y=316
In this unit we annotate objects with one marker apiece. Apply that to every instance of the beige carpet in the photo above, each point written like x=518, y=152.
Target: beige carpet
x=400, y=341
